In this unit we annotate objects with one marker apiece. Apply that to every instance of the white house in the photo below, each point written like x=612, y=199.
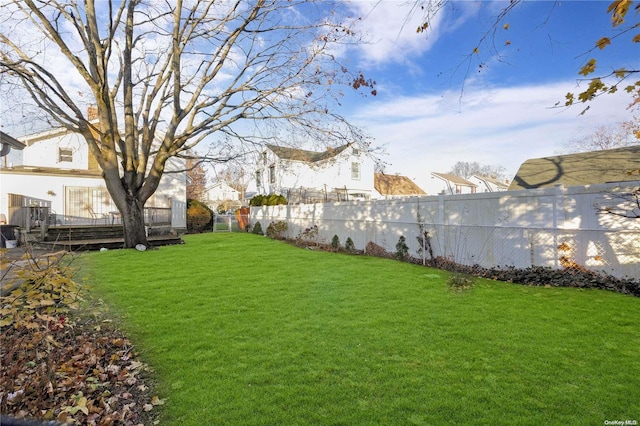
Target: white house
x=448, y=184
x=488, y=184
x=221, y=193
x=57, y=171
x=341, y=173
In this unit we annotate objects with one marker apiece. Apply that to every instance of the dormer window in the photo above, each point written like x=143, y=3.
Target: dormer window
x=65, y=155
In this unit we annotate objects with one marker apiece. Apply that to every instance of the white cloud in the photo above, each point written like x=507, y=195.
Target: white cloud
x=497, y=126
x=390, y=30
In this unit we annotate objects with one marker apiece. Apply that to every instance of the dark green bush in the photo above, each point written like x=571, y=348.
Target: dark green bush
x=349, y=246
x=335, y=242
x=257, y=229
x=402, y=250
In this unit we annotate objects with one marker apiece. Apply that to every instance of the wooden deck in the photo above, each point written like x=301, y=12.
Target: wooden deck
x=86, y=238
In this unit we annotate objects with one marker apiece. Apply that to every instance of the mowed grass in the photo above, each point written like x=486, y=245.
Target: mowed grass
x=241, y=329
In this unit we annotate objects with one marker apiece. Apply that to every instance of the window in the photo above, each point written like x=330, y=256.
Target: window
x=355, y=171
x=258, y=179
x=272, y=174
x=264, y=157
x=355, y=151
x=65, y=155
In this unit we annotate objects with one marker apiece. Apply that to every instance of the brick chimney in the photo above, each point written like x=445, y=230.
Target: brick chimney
x=92, y=112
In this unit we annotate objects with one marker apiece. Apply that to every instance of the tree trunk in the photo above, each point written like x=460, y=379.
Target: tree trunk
x=133, y=224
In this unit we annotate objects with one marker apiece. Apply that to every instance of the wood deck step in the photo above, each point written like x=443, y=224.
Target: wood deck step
x=108, y=243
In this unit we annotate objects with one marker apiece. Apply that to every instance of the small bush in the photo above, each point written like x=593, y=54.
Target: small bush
x=199, y=216
x=276, y=230
x=459, y=281
x=374, y=249
x=402, y=250
x=335, y=243
x=308, y=236
x=349, y=245
x=257, y=229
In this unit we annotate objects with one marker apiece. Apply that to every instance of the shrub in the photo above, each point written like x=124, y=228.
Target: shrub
x=402, y=250
x=349, y=246
x=459, y=281
x=199, y=216
x=308, y=235
x=267, y=200
x=257, y=229
x=276, y=230
x=373, y=249
x=335, y=243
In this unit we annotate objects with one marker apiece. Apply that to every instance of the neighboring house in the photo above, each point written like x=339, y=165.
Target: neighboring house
x=586, y=168
x=488, y=184
x=341, y=173
x=221, y=193
x=395, y=186
x=448, y=184
x=58, y=172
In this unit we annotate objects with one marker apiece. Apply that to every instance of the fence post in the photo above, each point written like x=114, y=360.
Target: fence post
x=558, y=220
x=440, y=225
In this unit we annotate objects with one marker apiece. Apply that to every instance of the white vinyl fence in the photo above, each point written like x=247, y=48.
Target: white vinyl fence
x=552, y=227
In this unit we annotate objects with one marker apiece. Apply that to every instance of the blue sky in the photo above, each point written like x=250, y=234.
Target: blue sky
x=435, y=106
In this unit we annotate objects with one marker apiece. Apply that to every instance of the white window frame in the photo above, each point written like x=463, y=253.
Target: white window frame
x=65, y=155
x=272, y=174
x=355, y=171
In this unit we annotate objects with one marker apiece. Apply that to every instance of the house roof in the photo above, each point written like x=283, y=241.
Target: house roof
x=585, y=168
x=454, y=179
x=395, y=185
x=222, y=185
x=5, y=139
x=306, y=156
x=491, y=180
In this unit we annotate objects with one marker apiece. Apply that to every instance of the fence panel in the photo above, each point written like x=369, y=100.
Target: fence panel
x=555, y=227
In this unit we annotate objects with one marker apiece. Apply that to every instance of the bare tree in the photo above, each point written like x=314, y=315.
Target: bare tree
x=166, y=75
x=616, y=135
x=621, y=204
x=467, y=169
x=237, y=175
x=196, y=180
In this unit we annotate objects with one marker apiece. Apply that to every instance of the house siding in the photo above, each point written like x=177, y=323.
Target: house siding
x=280, y=176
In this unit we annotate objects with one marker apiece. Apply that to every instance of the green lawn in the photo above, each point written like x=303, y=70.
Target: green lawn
x=244, y=330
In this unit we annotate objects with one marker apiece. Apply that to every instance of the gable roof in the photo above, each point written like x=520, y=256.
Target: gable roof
x=221, y=185
x=454, y=179
x=395, y=185
x=295, y=154
x=494, y=181
x=585, y=168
